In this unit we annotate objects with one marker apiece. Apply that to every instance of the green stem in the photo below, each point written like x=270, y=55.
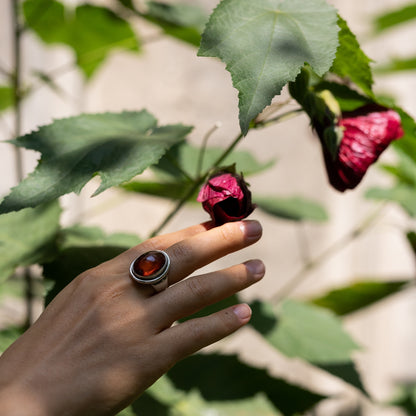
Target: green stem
x=17, y=95
x=201, y=178
x=197, y=183
x=309, y=265
x=203, y=149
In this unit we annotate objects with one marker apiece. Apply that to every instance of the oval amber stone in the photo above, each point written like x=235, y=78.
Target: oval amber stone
x=149, y=263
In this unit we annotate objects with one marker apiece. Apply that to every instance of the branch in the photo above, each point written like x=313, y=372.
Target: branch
x=337, y=246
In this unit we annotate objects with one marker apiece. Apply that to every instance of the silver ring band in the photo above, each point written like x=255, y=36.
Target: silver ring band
x=151, y=268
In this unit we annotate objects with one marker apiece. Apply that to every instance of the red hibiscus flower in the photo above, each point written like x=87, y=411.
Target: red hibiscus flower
x=366, y=133
x=226, y=197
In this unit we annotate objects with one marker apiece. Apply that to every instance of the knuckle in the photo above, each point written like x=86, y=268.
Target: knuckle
x=85, y=279
x=228, y=233
x=181, y=252
x=198, y=288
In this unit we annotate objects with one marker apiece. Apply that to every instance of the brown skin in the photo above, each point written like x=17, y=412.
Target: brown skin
x=104, y=339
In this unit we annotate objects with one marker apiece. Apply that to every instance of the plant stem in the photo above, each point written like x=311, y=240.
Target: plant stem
x=17, y=87
x=338, y=245
x=201, y=178
x=19, y=171
x=204, y=147
x=197, y=183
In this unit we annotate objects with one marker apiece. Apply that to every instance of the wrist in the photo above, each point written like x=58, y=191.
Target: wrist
x=19, y=401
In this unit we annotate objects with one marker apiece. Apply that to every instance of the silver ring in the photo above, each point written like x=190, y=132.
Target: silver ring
x=151, y=268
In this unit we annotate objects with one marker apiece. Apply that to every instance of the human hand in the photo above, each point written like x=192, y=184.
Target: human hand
x=104, y=339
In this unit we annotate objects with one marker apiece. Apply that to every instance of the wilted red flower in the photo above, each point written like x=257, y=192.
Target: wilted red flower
x=366, y=133
x=226, y=197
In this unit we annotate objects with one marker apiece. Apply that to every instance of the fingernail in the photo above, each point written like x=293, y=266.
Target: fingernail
x=256, y=268
x=251, y=229
x=243, y=312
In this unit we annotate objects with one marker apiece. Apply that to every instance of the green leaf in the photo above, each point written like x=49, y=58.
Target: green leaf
x=347, y=98
x=163, y=399
x=115, y=146
x=27, y=237
x=411, y=238
x=184, y=157
x=224, y=378
x=95, y=32
x=358, y=295
x=311, y=333
x=266, y=43
x=8, y=336
x=405, y=398
x=395, y=17
x=82, y=248
x=91, y=31
x=174, y=190
x=351, y=61
x=6, y=97
x=81, y=236
x=397, y=65
x=292, y=208
x=127, y=3
x=404, y=195
x=407, y=143
x=48, y=19
x=146, y=405
x=182, y=21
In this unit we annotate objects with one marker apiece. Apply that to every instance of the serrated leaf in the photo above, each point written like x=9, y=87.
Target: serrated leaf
x=358, y=295
x=115, y=146
x=27, y=237
x=266, y=43
x=395, y=17
x=311, y=333
x=292, y=208
x=81, y=248
x=91, y=31
x=351, y=61
x=6, y=97
x=235, y=380
x=182, y=21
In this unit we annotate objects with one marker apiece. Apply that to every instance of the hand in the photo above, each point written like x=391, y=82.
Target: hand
x=105, y=338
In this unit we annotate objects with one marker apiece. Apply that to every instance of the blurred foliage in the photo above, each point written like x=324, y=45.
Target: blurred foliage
x=323, y=63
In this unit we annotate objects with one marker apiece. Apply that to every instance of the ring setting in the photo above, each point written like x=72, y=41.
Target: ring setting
x=151, y=268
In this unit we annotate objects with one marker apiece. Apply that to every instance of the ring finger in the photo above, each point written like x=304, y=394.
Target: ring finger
x=193, y=294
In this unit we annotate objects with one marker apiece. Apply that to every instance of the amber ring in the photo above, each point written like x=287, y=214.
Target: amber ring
x=151, y=268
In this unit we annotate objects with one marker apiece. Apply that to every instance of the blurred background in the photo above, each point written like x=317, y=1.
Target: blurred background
x=169, y=80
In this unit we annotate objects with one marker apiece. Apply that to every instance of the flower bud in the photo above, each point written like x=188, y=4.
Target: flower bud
x=365, y=134
x=226, y=197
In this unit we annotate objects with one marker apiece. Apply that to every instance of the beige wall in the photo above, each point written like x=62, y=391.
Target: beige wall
x=198, y=91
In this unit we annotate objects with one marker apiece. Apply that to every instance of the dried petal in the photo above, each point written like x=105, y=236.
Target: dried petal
x=367, y=132
x=226, y=197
